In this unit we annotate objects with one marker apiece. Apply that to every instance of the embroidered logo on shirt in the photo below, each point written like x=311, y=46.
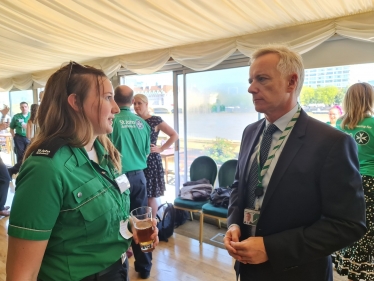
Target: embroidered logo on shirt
x=42, y=151
x=362, y=137
x=139, y=124
x=131, y=124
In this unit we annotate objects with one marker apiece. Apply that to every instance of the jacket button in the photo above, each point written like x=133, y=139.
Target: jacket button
x=79, y=195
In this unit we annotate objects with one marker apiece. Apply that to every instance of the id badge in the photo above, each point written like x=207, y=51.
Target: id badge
x=124, y=230
x=251, y=216
x=123, y=183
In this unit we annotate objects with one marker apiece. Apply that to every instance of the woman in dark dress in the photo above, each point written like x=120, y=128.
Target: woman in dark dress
x=154, y=172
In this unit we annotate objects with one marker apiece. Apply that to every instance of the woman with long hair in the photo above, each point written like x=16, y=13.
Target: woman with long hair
x=357, y=261
x=32, y=125
x=154, y=172
x=69, y=218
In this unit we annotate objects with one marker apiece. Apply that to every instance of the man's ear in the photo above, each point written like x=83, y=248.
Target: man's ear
x=72, y=100
x=292, y=83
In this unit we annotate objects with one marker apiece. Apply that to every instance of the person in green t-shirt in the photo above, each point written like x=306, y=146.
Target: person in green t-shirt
x=334, y=114
x=18, y=130
x=357, y=121
x=131, y=136
x=69, y=217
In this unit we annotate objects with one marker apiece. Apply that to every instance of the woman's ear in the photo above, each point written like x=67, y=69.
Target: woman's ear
x=72, y=100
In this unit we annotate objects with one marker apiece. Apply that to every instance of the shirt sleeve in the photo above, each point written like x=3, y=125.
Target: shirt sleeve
x=13, y=122
x=37, y=201
x=159, y=120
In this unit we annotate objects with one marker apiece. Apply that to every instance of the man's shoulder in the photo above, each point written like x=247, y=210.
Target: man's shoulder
x=254, y=125
x=17, y=115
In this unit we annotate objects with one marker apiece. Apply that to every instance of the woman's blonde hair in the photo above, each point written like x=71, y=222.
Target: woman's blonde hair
x=357, y=104
x=142, y=97
x=57, y=119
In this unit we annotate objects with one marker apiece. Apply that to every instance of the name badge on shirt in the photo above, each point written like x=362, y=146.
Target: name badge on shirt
x=124, y=230
x=251, y=216
x=20, y=120
x=123, y=183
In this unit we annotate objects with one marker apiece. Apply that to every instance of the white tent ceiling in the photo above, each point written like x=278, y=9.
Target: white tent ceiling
x=37, y=37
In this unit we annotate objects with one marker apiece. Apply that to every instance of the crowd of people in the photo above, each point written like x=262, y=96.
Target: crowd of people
x=309, y=184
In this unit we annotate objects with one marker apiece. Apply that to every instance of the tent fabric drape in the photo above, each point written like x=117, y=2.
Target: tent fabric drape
x=197, y=56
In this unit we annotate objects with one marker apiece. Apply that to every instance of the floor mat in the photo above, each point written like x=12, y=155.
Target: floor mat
x=211, y=233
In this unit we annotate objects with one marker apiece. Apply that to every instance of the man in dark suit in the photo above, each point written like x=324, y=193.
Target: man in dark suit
x=305, y=187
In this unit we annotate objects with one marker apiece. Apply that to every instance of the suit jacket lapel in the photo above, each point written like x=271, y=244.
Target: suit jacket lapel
x=291, y=147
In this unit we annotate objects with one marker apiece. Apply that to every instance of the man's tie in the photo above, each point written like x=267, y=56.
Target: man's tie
x=253, y=172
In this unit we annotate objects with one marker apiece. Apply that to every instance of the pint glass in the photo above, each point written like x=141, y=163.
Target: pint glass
x=142, y=221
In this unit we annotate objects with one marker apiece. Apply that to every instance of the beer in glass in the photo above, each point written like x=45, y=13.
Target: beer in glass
x=142, y=221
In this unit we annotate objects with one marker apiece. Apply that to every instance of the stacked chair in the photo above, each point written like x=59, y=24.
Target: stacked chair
x=201, y=167
x=226, y=177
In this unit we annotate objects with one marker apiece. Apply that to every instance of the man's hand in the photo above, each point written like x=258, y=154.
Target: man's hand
x=154, y=235
x=251, y=250
x=232, y=235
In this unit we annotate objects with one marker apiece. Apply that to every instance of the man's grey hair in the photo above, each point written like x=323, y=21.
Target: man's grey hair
x=289, y=62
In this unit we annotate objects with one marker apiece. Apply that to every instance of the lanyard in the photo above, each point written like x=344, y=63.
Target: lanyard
x=259, y=190
x=105, y=185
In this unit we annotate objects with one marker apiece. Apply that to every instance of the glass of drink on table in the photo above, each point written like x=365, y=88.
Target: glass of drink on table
x=142, y=221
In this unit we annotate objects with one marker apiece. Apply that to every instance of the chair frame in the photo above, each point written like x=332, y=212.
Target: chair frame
x=197, y=210
x=202, y=214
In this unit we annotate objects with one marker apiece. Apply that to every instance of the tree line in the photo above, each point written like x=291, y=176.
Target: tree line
x=327, y=95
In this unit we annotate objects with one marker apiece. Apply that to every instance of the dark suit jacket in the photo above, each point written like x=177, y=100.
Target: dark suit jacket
x=314, y=203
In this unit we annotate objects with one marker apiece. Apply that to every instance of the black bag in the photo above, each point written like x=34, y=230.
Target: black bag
x=166, y=224
x=181, y=217
x=220, y=197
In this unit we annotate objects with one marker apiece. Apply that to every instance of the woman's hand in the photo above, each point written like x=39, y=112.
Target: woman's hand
x=3, y=126
x=154, y=235
x=156, y=149
x=5, y=110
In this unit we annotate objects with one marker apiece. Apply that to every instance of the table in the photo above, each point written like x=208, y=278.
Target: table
x=167, y=153
x=8, y=141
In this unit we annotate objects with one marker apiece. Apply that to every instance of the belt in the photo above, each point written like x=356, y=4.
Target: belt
x=114, y=266
x=135, y=172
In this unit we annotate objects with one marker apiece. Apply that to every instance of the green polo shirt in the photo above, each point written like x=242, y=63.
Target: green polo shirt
x=60, y=198
x=363, y=134
x=132, y=137
x=17, y=121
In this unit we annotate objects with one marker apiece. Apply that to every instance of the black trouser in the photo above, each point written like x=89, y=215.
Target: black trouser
x=4, y=184
x=138, y=198
x=20, y=145
x=115, y=272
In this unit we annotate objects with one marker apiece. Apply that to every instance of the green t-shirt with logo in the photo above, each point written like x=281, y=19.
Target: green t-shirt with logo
x=363, y=134
x=17, y=122
x=132, y=137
